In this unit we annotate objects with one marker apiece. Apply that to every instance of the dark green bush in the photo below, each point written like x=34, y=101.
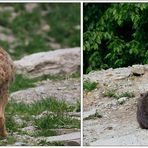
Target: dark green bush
x=115, y=35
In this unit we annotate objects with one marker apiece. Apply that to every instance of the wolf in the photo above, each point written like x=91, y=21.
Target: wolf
x=7, y=72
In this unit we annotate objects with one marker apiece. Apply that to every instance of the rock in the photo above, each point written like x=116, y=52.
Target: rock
x=43, y=114
x=146, y=67
x=74, y=114
x=64, y=131
x=8, y=38
x=111, y=104
x=108, y=75
x=18, y=120
x=60, y=61
x=45, y=28
x=54, y=45
x=29, y=129
x=89, y=113
x=70, y=92
x=66, y=137
x=19, y=144
x=73, y=143
x=138, y=70
x=30, y=7
x=27, y=140
x=122, y=100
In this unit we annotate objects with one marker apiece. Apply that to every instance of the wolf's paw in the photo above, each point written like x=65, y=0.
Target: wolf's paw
x=4, y=133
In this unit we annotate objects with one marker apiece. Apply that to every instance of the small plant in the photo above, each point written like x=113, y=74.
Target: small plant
x=126, y=94
x=48, y=104
x=75, y=75
x=10, y=140
x=98, y=114
x=56, y=121
x=110, y=93
x=78, y=106
x=44, y=143
x=89, y=86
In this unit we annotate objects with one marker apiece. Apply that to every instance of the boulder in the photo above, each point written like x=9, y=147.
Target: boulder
x=67, y=90
x=138, y=70
x=73, y=139
x=61, y=61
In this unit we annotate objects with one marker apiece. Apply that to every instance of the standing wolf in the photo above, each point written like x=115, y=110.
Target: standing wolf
x=6, y=76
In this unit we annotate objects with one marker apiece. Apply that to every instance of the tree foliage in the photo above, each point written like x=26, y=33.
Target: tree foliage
x=115, y=35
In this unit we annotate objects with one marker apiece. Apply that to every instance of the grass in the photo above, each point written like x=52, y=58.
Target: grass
x=56, y=121
x=112, y=93
x=26, y=27
x=89, y=86
x=50, y=121
x=48, y=104
x=45, y=124
x=21, y=83
x=10, y=140
x=43, y=143
x=126, y=94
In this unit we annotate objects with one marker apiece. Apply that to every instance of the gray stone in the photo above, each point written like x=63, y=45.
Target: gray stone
x=19, y=144
x=18, y=120
x=29, y=129
x=122, y=100
x=138, y=69
x=89, y=113
x=69, y=92
x=65, y=137
x=60, y=61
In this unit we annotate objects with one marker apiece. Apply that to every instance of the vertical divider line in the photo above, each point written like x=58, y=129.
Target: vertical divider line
x=81, y=14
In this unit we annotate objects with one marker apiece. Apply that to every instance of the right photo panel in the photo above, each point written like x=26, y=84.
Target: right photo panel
x=115, y=68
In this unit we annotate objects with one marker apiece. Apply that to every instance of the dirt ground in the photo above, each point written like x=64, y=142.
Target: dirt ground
x=118, y=124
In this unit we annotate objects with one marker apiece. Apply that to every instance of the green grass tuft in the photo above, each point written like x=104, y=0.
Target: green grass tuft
x=89, y=86
x=56, y=117
x=10, y=140
x=21, y=83
x=44, y=143
x=126, y=94
x=48, y=104
x=110, y=93
x=56, y=121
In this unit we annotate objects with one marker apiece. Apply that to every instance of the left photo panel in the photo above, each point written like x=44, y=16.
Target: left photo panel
x=40, y=62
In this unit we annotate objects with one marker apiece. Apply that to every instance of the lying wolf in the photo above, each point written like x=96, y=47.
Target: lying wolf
x=142, y=111
x=7, y=71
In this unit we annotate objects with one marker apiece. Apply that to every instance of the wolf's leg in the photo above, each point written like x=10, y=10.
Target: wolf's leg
x=3, y=102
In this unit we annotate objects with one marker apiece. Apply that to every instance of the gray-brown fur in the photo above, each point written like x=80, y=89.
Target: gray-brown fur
x=142, y=111
x=7, y=71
